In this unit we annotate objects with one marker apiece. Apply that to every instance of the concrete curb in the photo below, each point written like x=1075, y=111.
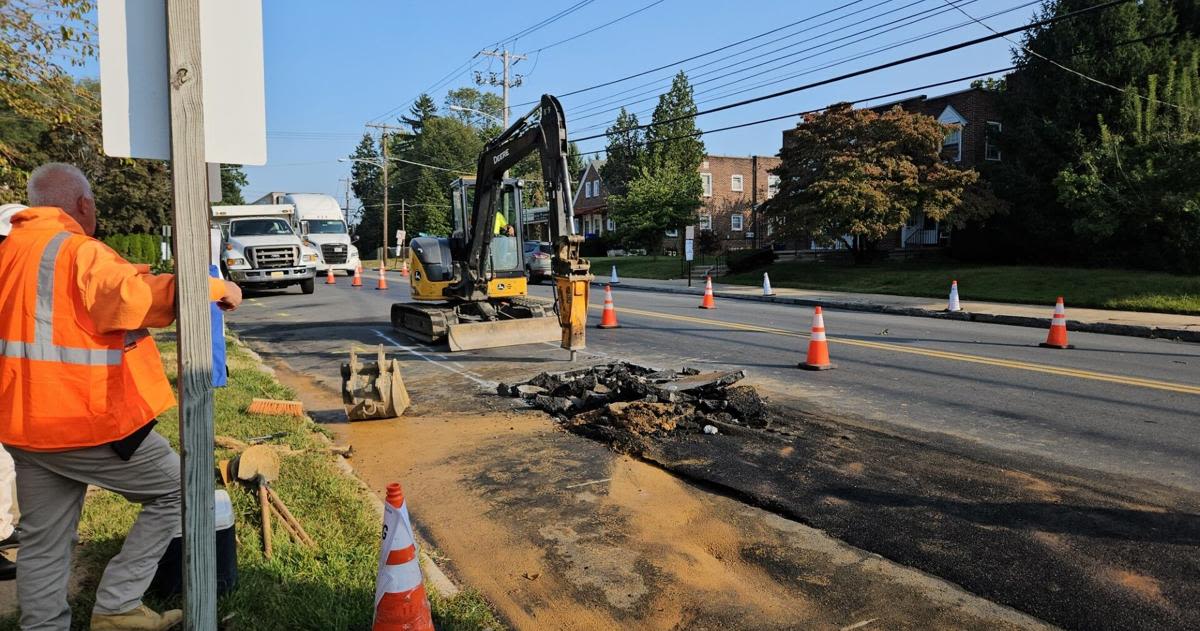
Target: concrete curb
x=1107, y=328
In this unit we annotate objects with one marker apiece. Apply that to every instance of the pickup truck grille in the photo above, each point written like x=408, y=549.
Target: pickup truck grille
x=334, y=253
x=269, y=257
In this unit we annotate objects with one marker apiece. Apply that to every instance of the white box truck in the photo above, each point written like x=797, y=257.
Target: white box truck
x=261, y=250
x=320, y=222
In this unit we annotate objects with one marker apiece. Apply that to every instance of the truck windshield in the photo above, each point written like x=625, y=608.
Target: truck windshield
x=259, y=227
x=326, y=226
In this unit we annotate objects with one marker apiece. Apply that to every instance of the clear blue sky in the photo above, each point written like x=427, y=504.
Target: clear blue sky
x=331, y=66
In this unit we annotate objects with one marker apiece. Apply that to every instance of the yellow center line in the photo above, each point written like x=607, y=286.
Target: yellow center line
x=947, y=355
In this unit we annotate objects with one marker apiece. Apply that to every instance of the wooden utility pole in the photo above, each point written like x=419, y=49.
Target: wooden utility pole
x=754, y=198
x=346, y=208
x=509, y=60
x=190, y=180
x=383, y=151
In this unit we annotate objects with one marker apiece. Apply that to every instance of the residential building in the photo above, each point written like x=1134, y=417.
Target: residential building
x=591, y=209
x=974, y=115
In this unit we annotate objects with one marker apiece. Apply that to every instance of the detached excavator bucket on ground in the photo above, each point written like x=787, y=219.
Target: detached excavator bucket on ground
x=373, y=390
x=468, y=336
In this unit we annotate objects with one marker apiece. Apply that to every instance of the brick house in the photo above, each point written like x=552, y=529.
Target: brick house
x=975, y=114
x=727, y=204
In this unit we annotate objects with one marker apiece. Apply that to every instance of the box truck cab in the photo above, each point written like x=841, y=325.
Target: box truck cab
x=320, y=222
x=260, y=249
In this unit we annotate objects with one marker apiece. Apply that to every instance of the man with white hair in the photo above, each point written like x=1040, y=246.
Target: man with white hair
x=81, y=385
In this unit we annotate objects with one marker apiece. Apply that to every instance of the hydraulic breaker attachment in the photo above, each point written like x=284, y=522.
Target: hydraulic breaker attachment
x=373, y=390
x=572, y=278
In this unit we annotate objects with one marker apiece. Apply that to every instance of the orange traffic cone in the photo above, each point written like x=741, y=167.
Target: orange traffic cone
x=608, y=319
x=818, y=346
x=1058, y=328
x=382, y=278
x=953, y=304
x=329, y=276
x=357, y=282
x=404, y=268
x=707, y=302
x=400, y=600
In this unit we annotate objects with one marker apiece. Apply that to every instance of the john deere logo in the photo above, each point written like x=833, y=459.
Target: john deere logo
x=501, y=286
x=417, y=276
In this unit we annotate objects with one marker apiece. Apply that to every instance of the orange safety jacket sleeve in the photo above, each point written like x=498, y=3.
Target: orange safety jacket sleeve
x=118, y=297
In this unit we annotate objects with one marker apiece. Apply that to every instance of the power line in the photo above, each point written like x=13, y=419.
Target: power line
x=884, y=66
x=596, y=28
x=698, y=56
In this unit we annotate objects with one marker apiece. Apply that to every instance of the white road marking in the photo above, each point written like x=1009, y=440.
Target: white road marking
x=483, y=383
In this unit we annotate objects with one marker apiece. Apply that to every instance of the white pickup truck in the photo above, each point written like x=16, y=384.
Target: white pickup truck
x=321, y=224
x=261, y=250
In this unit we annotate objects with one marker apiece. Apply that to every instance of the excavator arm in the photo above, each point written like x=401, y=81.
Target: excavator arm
x=543, y=130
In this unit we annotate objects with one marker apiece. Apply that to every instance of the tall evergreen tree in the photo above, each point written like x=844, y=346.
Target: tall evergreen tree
x=421, y=109
x=673, y=140
x=625, y=151
x=366, y=180
x=574, y=160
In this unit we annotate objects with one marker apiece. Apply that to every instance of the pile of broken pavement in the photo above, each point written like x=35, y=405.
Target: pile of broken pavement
x=622, y=402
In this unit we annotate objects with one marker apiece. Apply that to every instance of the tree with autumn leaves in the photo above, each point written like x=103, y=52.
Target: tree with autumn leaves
x=855, y=175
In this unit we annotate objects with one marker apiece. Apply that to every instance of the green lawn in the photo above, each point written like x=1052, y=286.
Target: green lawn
x=329, y=587
x=1100, y=288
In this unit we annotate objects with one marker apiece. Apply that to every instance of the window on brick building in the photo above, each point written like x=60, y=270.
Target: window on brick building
x=705, y=221
x=772, y=186
x=673, y=233
x=706, y=180
x=735, y=183
x=991, y=150
x=952, y=145
x=735, y=222
x=611, y=225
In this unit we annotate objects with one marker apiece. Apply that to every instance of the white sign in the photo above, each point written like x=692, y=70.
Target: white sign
x=690, y=233
x=134, y=80
x=687, y=250
x=400, y=238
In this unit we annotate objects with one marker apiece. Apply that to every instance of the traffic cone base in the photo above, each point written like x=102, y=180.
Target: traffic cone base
x=707, y=302
x=818, y=345
x=608, y=320
x=1060, y=346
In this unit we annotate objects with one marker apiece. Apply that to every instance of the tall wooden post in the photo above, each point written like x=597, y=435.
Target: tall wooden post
x=194, y=329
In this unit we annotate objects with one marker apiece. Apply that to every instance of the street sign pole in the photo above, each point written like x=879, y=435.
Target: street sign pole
x=190, y=180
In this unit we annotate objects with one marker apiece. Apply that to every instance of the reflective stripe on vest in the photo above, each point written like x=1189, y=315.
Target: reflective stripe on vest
x=43, y=347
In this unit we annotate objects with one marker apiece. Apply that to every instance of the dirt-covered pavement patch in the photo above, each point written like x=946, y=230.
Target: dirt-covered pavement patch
x=1068, y=549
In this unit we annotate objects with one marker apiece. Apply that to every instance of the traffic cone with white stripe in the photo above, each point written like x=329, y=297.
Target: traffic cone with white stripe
x=767, y=291
x=357, y=282
x=608, y=319
x=382, y=278
x=953, y=304
x=818, y=346
x=400, y=600
x=404, y=268
x=708, y=302
x=329, y=276
x=1058, y=328
x=612, y=279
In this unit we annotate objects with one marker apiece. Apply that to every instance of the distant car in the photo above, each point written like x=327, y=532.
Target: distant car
x=537, y=260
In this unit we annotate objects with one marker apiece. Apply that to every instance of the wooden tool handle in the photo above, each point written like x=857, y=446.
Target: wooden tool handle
x=263, y=493
x=287, y=516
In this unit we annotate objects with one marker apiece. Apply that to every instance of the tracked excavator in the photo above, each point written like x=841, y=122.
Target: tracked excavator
x=470, y=289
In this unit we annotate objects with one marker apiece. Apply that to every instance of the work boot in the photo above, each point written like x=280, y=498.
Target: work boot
x=11, y=541
x=8, y=569
x=140, y=619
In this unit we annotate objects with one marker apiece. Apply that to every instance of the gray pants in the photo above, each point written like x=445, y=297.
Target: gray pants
x=51, y=488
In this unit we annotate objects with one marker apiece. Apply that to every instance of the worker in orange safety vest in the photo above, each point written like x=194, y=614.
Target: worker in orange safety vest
x=81, y=384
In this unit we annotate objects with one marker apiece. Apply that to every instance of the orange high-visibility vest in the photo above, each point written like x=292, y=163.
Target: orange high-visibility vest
x=77, y=366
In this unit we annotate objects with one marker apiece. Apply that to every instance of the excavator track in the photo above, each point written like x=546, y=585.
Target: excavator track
x=425, y=323
x=516, y=321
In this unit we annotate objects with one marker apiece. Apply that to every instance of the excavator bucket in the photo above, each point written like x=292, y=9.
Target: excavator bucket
x=373, y=390
x=467, y=336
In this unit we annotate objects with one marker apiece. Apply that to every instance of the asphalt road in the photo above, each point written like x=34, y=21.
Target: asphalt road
x=1120, y=405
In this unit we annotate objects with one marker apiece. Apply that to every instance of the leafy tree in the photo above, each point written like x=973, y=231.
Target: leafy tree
x=431, y=207
x=626, y=148
x=654, y=202
x=1136, y=189
x=1051, y=115
x=854, y=172
x=233, y=180
x=492, y=106
x=673, y=140
x=422, y=109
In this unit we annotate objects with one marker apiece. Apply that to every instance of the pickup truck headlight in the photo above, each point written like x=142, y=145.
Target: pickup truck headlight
x=234, y=262
x=353, y=251
x=310, y=258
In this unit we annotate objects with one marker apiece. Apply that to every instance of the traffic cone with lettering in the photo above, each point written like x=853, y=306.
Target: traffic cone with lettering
x=612, y=279
x=382, y=278
x=767, y=291
x=818, y=346
x=953, y=304
x=1058, y=328
x=357, y=282
x=708, y=302
x=329, y=276
x=608, y=319
x=404, y=268
x=400, y=600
